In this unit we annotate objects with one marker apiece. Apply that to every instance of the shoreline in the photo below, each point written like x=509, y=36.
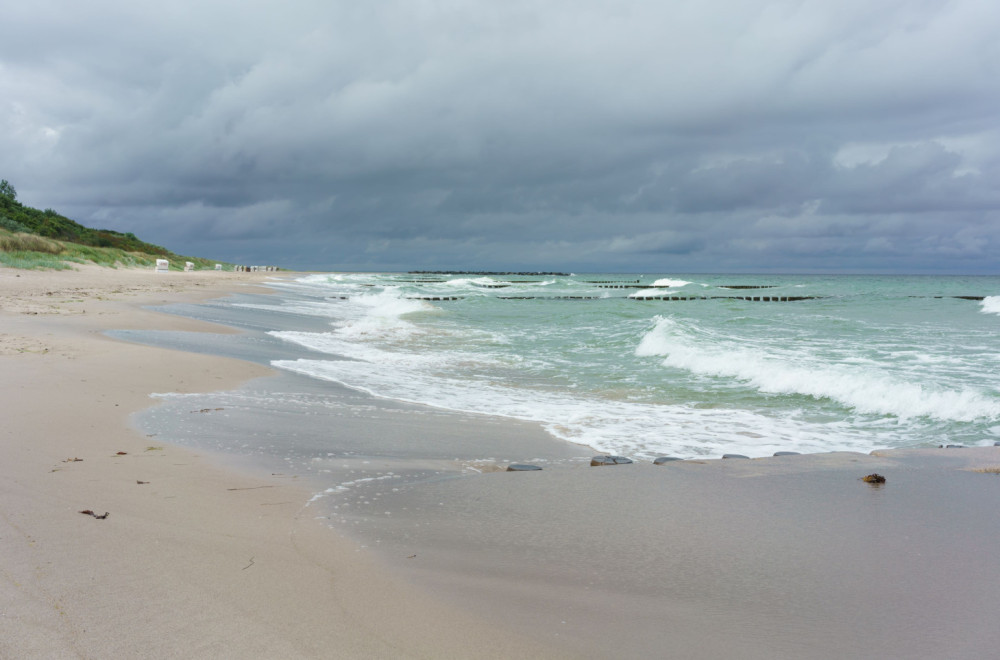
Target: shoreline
x=197, y=560
x=772, y=557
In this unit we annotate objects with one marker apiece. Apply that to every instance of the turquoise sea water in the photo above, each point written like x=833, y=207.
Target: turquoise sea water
x=857, y=363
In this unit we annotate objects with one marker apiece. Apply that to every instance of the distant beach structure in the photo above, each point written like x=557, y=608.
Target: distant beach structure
x=255, y=269
x=162, y=265
x=188, y=266
x=218, y=266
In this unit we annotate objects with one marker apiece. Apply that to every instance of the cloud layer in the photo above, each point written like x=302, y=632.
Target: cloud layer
x=636, y=135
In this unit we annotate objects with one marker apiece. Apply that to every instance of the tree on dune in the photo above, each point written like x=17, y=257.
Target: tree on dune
x=7, y=190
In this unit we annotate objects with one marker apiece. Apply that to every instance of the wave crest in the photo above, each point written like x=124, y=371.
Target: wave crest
x=991, y=305
x=865, y=390
x=671, y=283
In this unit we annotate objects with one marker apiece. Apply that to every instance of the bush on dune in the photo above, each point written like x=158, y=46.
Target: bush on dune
x=13, y=225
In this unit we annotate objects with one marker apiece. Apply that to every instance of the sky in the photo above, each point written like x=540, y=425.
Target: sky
x=625, y=136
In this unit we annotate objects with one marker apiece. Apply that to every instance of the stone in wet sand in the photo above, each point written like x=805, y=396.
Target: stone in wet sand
x=609, y=460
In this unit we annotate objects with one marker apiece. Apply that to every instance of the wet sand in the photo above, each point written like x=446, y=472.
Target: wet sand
x=770, y=558
x=790, y=557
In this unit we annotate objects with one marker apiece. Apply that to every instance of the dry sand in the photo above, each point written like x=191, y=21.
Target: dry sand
x=193, y=560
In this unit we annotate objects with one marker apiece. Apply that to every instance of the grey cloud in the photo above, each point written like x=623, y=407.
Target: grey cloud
x=392, y=133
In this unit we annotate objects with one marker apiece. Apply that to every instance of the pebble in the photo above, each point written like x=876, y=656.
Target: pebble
x=609, y=460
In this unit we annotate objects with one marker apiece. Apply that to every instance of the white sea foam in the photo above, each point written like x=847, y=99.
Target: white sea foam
x=469, y=281
x=334, y=343
x=380, y=316
x=325, y=280
x=651, y=292
x=864, y=389
x=322, y=278
x=302, y=307
x=670, y=283
x=635, y=429
x=346, y=486
x=991, y=305
x=389, y=303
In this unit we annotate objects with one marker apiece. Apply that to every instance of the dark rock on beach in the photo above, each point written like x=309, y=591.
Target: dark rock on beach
x=734, y=456
x=787, y=453
x=522, y=467
x=609, y=460
x=665, y=459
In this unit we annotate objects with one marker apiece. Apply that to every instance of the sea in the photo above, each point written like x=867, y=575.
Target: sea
x=649, y=365
x=400, y=400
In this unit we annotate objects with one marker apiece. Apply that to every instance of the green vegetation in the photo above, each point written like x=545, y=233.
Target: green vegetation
x=30, y=238
x=12, y=225
x=50, y=224
x=7, y=190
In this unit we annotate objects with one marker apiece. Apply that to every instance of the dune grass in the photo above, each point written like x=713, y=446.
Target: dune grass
x=34, y=252
x=33, y=261
x=20, y=250
x=21, y=242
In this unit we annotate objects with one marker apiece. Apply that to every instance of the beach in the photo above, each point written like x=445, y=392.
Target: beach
x=197, y=560
x=441, y=553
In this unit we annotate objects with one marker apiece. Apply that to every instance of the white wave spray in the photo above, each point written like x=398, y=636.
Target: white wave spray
x=864, y=389
x=991, y=305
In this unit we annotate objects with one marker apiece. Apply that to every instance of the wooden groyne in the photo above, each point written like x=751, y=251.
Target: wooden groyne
x=407, y=297
x=656, y=298
x=523, y=273
x=418, y=281
x=551, y=298
x=435, y=297
x=642, y=298
x=746, y=298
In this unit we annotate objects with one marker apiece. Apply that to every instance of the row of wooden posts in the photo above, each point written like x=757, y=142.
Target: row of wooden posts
x=669, y=298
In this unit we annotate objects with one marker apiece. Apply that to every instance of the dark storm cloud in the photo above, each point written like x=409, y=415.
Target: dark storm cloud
x=630, y=135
